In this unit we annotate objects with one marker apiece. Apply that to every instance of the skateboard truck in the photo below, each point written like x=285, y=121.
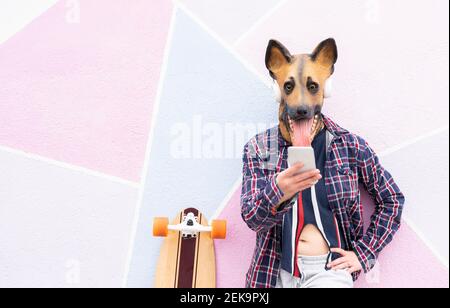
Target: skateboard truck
x=189, y=227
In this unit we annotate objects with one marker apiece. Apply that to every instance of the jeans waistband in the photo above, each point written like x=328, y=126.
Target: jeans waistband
x=313, y=260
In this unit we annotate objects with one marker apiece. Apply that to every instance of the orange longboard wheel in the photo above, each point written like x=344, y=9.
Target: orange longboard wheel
x=219, y=229
x=161, y=226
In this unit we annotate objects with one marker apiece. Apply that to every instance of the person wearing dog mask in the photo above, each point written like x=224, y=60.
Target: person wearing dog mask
x=309, y=225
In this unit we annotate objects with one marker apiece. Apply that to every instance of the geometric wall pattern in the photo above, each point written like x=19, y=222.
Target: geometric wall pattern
x=115, y=112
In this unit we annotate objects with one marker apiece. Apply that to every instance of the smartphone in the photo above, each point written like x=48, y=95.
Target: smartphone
x=304, y=155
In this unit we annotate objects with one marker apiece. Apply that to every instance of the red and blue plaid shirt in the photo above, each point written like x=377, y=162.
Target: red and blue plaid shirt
x=349, y=161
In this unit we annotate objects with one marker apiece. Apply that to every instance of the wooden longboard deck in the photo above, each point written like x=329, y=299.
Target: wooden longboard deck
x=187, y=262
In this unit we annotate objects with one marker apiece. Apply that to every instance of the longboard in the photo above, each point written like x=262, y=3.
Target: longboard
x=187, y=257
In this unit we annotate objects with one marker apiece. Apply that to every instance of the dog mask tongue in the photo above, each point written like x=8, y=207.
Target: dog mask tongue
x=301, y=133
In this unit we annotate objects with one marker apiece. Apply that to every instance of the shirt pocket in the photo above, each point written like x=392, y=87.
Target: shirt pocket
x=347, y=181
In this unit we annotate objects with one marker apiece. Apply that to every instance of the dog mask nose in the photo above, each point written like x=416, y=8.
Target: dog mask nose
x=300, y=112
x=303, y=111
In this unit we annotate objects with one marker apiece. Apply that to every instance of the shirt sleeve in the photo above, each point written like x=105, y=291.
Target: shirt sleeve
x=389, y=202
x=260, y=198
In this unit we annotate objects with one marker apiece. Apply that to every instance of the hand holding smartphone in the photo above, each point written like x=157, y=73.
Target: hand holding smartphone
x=304, y=155
x=301, y=174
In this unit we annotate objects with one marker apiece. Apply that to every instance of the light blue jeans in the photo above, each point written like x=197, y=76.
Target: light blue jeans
x=314, y=275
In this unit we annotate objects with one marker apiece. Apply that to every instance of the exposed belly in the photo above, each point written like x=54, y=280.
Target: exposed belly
x=311, y=242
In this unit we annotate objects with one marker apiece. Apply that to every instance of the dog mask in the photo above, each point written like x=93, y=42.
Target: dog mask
x=303, y=82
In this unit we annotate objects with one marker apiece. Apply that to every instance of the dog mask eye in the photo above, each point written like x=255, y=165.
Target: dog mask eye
x=289, y=87
x=313, y=87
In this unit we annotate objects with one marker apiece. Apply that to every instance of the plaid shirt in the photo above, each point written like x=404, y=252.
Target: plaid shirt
x=350, y=161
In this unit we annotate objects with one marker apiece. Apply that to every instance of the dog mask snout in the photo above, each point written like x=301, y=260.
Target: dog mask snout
x=301, y=112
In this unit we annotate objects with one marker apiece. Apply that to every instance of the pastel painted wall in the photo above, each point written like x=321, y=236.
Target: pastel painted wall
x=114, y=112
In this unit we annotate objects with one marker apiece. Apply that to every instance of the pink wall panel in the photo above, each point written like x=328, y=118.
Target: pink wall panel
x=80, y=89
x=233, y=255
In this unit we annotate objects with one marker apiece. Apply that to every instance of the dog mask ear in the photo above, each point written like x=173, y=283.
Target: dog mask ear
x=326, y=54
x=276, y=56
